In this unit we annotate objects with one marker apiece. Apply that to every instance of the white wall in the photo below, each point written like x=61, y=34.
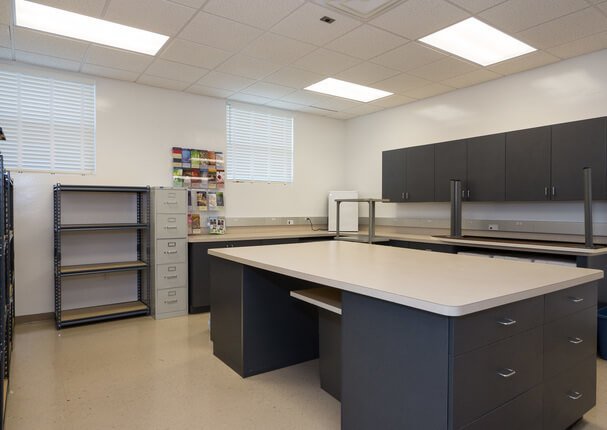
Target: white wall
x=136, y=127
x=565, y=91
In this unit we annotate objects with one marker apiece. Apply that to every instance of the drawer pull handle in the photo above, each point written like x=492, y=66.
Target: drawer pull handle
x=506, y=373
x=507, y=321
x=170, y=252
x=171, y=227
x=171, y=277
x=170, y=302
x=576, y=299
x=172, y=293
x=575, y=340
x=574, y=395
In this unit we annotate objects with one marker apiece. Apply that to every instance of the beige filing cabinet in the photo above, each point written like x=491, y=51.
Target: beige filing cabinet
x=169, y=252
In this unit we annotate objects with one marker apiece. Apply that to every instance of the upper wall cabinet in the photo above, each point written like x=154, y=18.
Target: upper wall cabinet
x=486, y=168
x=451, y=162
x=528, y=164
x=393, y=175
x=576, y=145
x=419, y=174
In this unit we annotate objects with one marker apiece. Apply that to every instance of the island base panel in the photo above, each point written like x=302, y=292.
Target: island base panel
x=329, y=361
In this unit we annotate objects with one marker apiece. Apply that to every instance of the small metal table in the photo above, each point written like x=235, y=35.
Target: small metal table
x=370, y=238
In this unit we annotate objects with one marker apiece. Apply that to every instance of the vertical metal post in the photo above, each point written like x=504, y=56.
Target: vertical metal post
x=456, y=208
x=588, y=233
x=371, y=220
x=337, y=202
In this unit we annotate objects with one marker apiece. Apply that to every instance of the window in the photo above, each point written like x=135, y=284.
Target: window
x=259, y=147
x=49, y=124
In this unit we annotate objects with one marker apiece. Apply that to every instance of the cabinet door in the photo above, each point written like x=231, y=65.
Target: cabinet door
x=419, y=174
x=486, y=168
x=528, y=164
x=576, y=145
x=199, y=288
x=450, y=162
x=393, y=175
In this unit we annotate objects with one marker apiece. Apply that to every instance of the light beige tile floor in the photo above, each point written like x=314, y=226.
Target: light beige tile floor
x=146, y=374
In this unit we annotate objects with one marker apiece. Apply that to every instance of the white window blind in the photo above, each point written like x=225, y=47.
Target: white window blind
x=259, y=146
x=49, y=124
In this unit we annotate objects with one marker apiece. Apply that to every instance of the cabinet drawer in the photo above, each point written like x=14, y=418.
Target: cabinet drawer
x=171, y=300
x=171, y=251
x=570, y=395
x=489, y=377
x=170, y=201
x=571, y=300
x=485, y=327
x=522, y=413
x=568, y=340
x=171, y=225
x=171, y=275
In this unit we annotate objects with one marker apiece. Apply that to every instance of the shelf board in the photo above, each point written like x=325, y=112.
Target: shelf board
x=116, y=310
x=94, y=227
x=84, y=269
x=324, y=297
x=101, y=188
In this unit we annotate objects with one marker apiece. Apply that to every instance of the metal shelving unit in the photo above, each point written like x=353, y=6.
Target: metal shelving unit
x=103, y=312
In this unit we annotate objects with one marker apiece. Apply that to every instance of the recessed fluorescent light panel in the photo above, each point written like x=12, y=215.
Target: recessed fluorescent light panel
x=476, y=41
x=64, y=23
x=347, y=90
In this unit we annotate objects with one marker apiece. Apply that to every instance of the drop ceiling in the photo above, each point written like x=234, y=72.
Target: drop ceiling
x=266, y=51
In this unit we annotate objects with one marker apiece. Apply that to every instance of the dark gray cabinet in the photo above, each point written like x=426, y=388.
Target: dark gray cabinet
x=419, y=174
x=576, y=145
x=486, y=168
x=528, y=164
x=450, y=162
x=393, y=175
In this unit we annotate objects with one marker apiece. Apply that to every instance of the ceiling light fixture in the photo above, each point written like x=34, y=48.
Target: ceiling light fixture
x=478, y=42
x=347, y=90
x=57, y=21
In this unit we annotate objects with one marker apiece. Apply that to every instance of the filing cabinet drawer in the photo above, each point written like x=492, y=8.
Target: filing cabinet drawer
x=170, y=201
x=171, y=251
x=571, y=300
x=171, y=275
x=491, y=376
x=570, y=395
x=568, y=340
x=171, y=300
x=485, y=327
x=171, y=225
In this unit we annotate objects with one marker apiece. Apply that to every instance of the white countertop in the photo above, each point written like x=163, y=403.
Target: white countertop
x=261, y=233
x=441, y=283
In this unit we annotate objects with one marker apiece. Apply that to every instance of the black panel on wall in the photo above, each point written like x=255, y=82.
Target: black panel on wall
x=486, y=168
x=451, y=162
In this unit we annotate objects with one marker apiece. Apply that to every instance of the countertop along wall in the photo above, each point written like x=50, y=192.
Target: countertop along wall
x=136, y=127
x=566, y=91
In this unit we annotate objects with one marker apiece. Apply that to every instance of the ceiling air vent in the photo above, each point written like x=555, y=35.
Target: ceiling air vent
x=365, y=9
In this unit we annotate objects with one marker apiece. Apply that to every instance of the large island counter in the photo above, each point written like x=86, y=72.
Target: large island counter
x=428, y=340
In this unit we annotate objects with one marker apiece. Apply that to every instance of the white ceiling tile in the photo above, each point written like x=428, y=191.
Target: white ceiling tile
x=340, y=115
x=526, y=62
x=168, y=84
x=92, y=8
x=304, y=24
x=367, y=73
x=418, y=18
x=176, y=71
x=265, y=89
x=6, y=54
x=159, y=16
x=476, y=6
x=224, y=81
x=391, y=101
x=302, y=97
x=219, y=32
x=209, y=91
x=258, y=13
x=443, y=69
x=326, y=62
x=117, y=59
x=294, y=78
x=472, y=78
x=409, y=56
x=248, y=67
x=46, y=44
x=566, y=29
x=5, y=12
x=5, y=36
x=285, y=105
x=46, y=61
x=364, y=109
x=311, y=98
x=517, y=15
x=400, y=83
x=247, y=98
x=603, y=7
x=278, y=49
x=194, y=54
x=196, y=4
x=585, y=45
x=108, y=72
x=366, y=42
x=428, y=91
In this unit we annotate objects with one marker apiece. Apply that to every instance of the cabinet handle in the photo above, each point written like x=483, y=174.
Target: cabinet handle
x=576, y=299
x=407, y=195
x=553, y=190
x=506, y=373
x=575, y=340
x=171, y=277
x=546, y=191
x=402, y=196
x=170, y=302
x=574, y=395
x=506, y=321
x=170, y=252
x=171, y=227
x=463, y=194
x=468, y=194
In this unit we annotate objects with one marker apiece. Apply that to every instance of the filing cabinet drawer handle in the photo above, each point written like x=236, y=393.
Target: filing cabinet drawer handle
x=170, y=203
x=576, y=299
x=575, y=340
x=170, y=302
x=170, y=252
x=574, y=395
x=172, y=293
x=171, y=277
x=507, y=321
x=506, y=373
x=171, y=227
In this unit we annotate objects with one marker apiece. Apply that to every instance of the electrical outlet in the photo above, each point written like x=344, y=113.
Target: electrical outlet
x=290, y=222
x=494, y=227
